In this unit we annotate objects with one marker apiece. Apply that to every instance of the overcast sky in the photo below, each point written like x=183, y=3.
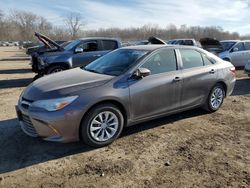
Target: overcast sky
x=232, y=15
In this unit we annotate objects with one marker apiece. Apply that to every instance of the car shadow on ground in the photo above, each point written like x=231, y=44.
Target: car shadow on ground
x=15, y=71
x=242, y=87
x=19, y=150
x=13, y=83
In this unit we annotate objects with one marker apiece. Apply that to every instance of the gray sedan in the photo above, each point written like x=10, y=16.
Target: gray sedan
x=125, y=87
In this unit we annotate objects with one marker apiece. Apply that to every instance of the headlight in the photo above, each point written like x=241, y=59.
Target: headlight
x=54, y=104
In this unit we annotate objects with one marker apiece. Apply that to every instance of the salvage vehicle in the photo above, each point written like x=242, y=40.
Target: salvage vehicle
x=77, y=53
x=211, y=45
x=247, y=68
x=94, y=103
x=235, y=51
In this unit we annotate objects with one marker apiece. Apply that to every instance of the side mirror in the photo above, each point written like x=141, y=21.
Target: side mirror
x=78, y=50
x=235, y=49
x=142, y=72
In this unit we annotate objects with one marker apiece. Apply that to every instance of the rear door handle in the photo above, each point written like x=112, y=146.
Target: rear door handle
x=177, y=79
x=212, y=71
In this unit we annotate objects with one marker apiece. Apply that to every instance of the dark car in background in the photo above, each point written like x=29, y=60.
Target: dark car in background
x=127, y=86
x=211, y=45
x=77, y=53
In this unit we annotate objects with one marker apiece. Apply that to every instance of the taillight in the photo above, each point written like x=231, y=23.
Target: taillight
x=233, y=70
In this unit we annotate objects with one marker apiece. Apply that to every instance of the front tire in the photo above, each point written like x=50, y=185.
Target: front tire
x=102, y=125
x=215, y=98
x=55, y=69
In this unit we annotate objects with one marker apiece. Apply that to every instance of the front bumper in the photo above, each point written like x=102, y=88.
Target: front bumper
x=58, y=126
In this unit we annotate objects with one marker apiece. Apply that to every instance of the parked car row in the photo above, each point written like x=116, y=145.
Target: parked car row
x=235, y=51
x=9, y=43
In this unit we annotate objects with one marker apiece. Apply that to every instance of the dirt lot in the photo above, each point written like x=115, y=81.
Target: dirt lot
x=191, y=149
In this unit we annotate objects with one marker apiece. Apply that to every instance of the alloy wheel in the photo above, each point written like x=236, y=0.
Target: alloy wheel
x=104, y=126
x=216, y=98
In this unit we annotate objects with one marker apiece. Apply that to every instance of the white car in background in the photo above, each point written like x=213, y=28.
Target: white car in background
x=235, y=51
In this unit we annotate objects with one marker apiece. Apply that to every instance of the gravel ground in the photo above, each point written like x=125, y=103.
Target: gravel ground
x=190, y=149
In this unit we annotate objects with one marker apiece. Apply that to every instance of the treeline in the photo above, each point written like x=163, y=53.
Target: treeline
x=169, y=32
x=20, y=25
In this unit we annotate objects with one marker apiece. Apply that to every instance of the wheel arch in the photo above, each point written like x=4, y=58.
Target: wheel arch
x=224, y=86
x=62, y=64
x=116, y=103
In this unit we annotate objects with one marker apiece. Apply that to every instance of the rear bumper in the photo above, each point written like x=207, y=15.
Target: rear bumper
x=230, y=86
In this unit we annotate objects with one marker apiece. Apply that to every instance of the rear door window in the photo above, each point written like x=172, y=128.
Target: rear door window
x=240, y=46
x=189, y=43
x=109, y=45
x=191, y=58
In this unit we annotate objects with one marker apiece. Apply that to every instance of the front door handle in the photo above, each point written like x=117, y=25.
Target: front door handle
x=212, y=71
x=177, y=79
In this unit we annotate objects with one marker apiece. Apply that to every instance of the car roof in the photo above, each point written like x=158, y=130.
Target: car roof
x=229, y=40
x=184, y=39
x=99, y=38
x=153, y=47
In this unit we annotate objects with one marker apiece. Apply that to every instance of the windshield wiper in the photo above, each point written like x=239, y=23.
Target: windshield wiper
x=91, y=70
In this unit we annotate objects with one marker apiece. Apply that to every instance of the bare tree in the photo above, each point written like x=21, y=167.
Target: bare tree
x=1, y=15
x=43, y=26
x=25, y=22
x=74, y=22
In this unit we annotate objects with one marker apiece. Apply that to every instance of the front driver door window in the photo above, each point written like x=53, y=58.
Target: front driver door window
x=238, y=57
x=89, y=53
x=156, y=93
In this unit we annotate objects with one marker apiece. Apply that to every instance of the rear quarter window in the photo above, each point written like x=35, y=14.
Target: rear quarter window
x=109, y=45
x=191, y=58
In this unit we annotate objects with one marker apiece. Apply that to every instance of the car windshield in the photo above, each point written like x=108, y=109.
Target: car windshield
x=116, y=62
x=71, y=44
x=227, y=45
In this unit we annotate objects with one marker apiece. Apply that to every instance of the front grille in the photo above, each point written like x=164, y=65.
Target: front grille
x=28, y=127
x=34, y=64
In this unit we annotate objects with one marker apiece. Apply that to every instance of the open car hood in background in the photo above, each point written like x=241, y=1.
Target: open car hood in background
x=47, y=41
x=211, y=45
x=155, y=40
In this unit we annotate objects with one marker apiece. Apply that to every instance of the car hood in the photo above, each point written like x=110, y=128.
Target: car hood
x=47, y=41
x=63, y=84
x=155, y=40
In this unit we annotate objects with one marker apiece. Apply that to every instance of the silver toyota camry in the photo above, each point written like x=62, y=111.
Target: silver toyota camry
x=125, y=87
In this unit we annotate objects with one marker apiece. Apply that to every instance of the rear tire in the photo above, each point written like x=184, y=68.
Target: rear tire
x=102, y=125
x=55, y=69
x=215, y=98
